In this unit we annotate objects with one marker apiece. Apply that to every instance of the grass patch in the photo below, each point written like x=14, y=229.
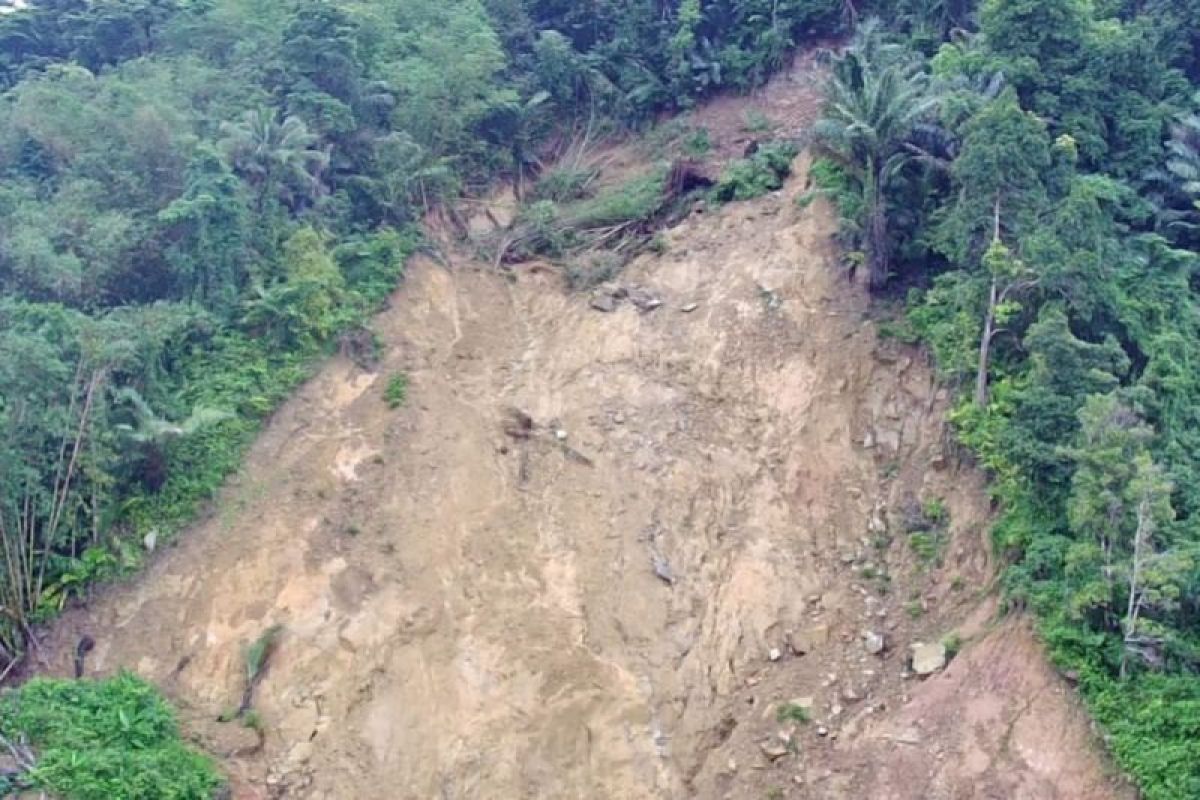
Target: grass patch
x=395, y=393
x=792, y=712
x=100, y=740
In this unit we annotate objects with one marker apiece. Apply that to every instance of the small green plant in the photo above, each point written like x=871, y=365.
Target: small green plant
x=775, y=793
x=395, y=393
x=953, y=644
x=927, y=545
x=256, y=657
x=792, y=712
x=754, y=121
x=98, y=740
x=252, y=720
x=914, y=608
x=957, y=583
x=868, y=571
x=697, y=143
x=935, y=511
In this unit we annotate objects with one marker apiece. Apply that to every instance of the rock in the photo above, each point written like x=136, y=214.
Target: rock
x=822, y=730
x=643, y=300
x=619, y=418
x=850, y=695
x=561, y=435
x=733, y=765
x=773, y=750
x=808, y=640
x=689, y=308
x=603, y=301
x=774, y=654
x=875, y=643
x=150, y=540
x=928, y=658
x=662, y=569
x=908, y=736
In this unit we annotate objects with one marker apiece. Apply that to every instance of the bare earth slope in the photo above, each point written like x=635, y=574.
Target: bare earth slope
x=611, y=604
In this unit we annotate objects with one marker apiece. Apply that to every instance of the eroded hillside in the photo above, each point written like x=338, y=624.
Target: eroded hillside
x=607, y=554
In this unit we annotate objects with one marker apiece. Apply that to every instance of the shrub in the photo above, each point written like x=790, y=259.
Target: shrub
x=753, y=177
x=396, y=391
x=99, y=740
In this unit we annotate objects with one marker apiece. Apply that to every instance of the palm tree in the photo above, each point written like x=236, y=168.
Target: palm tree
x=275, y=157
x=877, y=99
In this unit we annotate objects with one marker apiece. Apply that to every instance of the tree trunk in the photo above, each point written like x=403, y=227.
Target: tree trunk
x=985, y=348
x=1140, y=539
x=877, y=232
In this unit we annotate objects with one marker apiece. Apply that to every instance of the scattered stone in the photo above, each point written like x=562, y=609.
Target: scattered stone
x=733, y=765
x=643, y=300
x=875, y=643
x=910, y=736
x=773, y=750
x=150, y=540
x=822, y=731
x=835, y=710
x=689, y=308
x=619, y=418
x=561, y=435
x=850, y=695
x=604, y=301
x=808, y=640
x=662, y=569
x=775, y=654
x=798, y=780
x=928, y=658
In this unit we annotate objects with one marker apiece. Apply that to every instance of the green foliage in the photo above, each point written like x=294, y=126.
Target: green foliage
x=792, y=712
x=96, y=740
x=1049, y=234
x=753, y=177
x=395, y=393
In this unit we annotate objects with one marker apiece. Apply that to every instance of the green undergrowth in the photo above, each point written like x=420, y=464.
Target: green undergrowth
x=102, y=740
x=758, y=174
x=244, y=373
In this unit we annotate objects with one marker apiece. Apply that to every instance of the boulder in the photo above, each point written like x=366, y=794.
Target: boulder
x=928, y=658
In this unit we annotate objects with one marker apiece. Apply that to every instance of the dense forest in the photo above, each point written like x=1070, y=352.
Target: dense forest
x=200, y=197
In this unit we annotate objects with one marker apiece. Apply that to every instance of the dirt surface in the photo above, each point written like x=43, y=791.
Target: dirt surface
x=607, y=554
x=608, y=597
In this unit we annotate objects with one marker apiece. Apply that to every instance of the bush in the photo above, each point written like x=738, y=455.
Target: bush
x=100, y=740
x=396, y=391
x=753, y=177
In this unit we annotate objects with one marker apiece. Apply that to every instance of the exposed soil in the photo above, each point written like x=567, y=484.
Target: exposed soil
x=585, y=558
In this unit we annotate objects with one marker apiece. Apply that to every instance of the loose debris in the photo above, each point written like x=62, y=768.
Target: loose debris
x=609, y=298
